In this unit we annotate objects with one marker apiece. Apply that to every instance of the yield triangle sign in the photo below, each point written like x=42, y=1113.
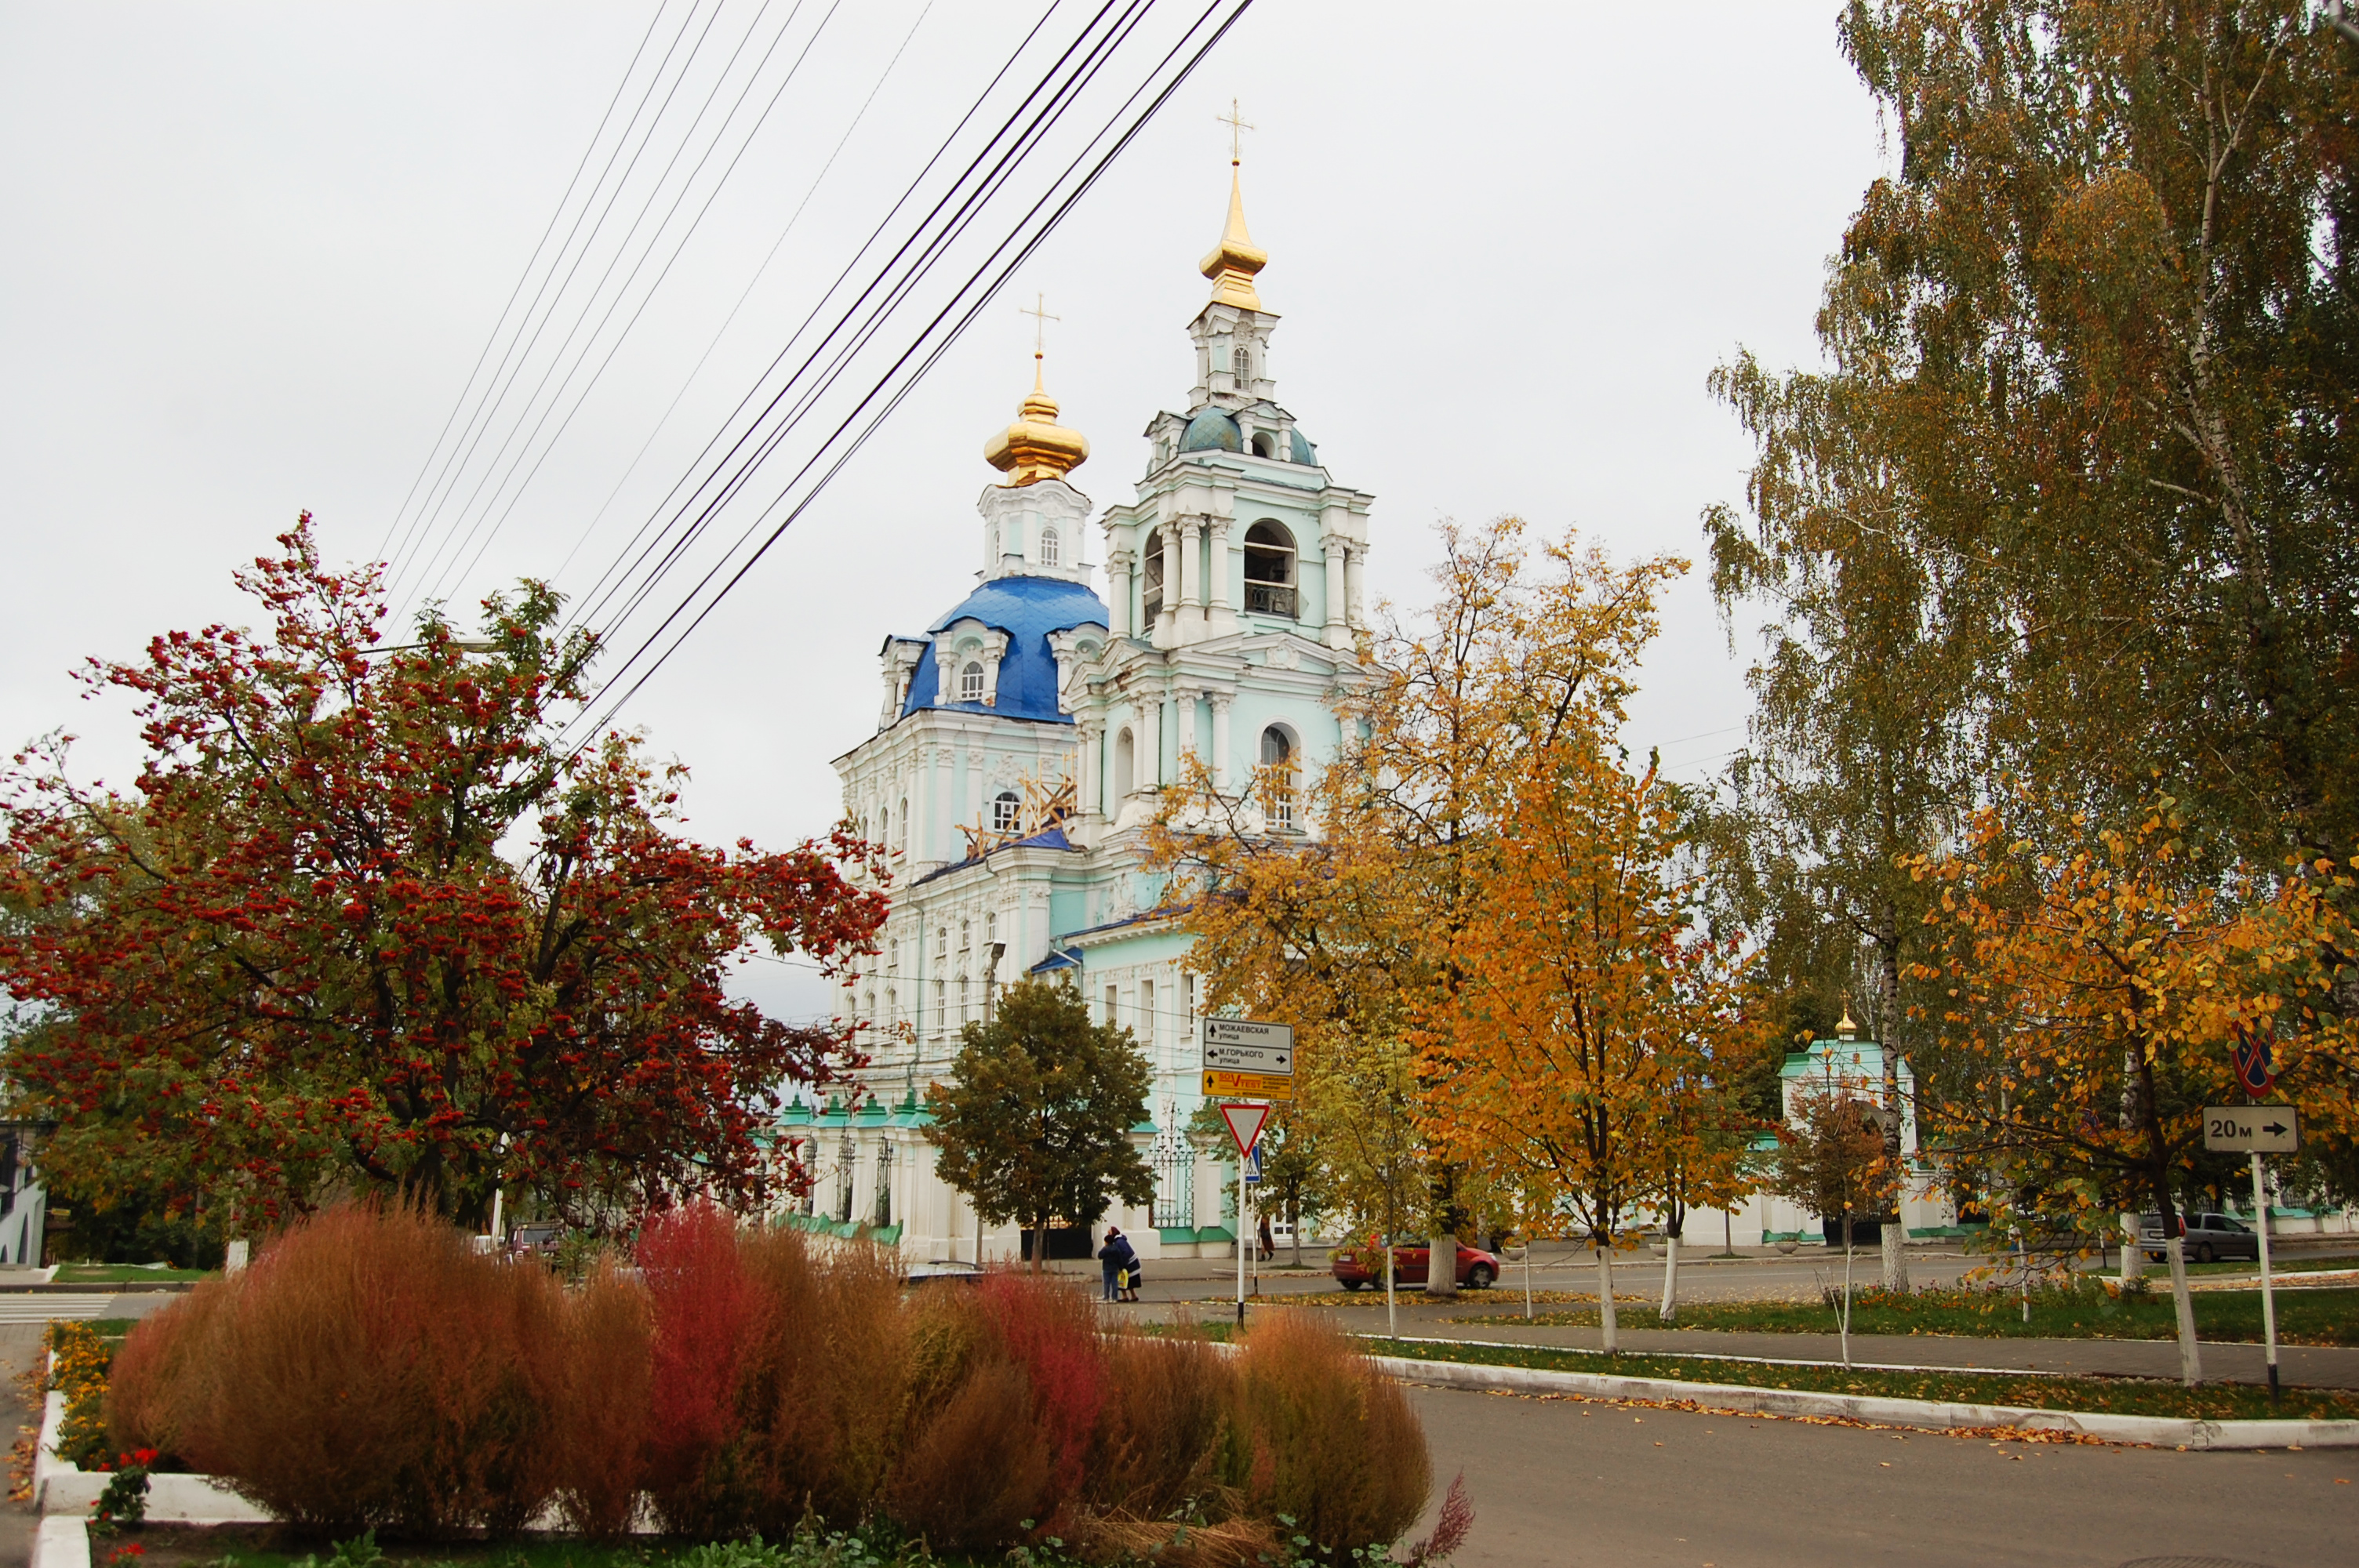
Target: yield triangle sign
x=1244, y=1125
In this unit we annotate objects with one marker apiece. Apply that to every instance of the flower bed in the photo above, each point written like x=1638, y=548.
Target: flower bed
x=371, y=1371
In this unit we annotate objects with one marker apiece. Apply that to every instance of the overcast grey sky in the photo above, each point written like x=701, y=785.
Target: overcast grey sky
x=251, y=253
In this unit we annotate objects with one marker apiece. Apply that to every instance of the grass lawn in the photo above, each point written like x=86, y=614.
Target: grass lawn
x=2276, y=1266
x=2329, y=1316
x=119, y=1273
x=2114, y=1396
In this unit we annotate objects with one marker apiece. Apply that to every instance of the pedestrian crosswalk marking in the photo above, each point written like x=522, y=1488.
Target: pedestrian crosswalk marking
x=42, y=1307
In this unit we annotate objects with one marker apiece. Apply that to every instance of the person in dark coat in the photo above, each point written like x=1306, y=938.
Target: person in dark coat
x=1110, y=1263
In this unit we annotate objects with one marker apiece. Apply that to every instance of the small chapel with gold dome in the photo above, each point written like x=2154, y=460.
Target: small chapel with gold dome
x=1024, y=740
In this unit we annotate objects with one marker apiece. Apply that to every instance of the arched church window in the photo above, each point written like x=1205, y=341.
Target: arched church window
x=1150, y=577
x=1049, y=553
x=904, y=843
x=971, y=682
x=1269, y=569
x=1278, y=778
x=1002, y=812
x=1245, y=364
x=1263, y=446
x=1125, y=764
x=942, y=945
x=966, y=935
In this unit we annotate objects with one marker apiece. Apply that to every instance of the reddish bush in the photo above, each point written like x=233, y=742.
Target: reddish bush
x=1166, y=1401
x=1321, y=1438
x=155, y=1384
x=1050, y=1328
x=371, y=1370
x=978, y=1470
x=834, y=1375
x=709, y=1320
x=600, y=1421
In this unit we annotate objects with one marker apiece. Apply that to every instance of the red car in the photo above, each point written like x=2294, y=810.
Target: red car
x=1364, y=1265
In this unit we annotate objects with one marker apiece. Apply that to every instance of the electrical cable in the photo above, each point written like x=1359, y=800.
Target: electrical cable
x=622, y=292
x=593, y=600
x=876, y=324
x=522, y=277
x=1022, y=255
x=967, y=213
x=746, y=293
x=487, y=407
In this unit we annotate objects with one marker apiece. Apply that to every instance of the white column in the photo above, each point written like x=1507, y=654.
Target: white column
x=1187, y=582
x=1221, y=700
x=1150, y=739
x=1086, y=780
x=974, y=790
x=1333, y=547
x=938, y=791
x=1220, y=617
x=1175, y=576
x=1354, y=572
x=1118, y=570
x=1191, y=531
x=1186, y=697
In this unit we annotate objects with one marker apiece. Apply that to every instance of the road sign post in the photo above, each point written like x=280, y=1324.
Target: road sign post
x=2268, y=1296
x=2255, y=1130
x=1245, y=1123
x=1244, y=1060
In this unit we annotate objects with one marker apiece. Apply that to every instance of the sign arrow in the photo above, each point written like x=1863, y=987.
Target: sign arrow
x=2277, y=1128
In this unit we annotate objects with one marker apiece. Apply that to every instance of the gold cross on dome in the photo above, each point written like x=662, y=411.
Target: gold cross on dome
x=1040, y=319
x=1235, y=120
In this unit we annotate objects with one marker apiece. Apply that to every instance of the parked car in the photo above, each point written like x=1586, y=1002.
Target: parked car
x=2207, y=1237
x=537, y=1240
x=942, y=1271
x=1363, y=1265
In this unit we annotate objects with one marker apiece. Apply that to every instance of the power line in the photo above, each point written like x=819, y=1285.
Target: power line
x=747, y=292
x=968, y=210
x=387, y=544
x=592, y=603
x=464, y=446
x=622, y=292
x=1024, y=253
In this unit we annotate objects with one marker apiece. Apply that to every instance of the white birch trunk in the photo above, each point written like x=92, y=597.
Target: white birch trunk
x=1892, y=1240
x=1442, y=1265
x=1606, y=1297
x=2191, y=1359
x=2133, y=1250
x=1671, y=1308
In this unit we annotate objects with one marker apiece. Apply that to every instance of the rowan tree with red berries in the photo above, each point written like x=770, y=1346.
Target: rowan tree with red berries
x=366, y=923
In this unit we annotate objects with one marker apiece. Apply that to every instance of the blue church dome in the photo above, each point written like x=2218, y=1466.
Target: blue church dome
x=1213, y=430
x=1304, y=452
x=1028, y=609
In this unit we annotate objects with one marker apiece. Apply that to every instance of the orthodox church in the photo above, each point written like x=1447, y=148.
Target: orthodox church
x=1024, y=740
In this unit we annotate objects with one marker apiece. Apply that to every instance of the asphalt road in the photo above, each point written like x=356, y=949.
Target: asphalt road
x=1564, y=1483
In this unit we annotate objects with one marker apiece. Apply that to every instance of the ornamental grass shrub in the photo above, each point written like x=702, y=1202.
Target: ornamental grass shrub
x=1321, y=1438
x=370, y=1370
x=157, y=1370
x=602, y=1411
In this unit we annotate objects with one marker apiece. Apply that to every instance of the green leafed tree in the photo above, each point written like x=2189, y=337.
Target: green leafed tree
x=1034, y=1124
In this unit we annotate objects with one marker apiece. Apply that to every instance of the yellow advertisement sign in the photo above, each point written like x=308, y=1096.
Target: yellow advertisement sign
x=1249, y=1085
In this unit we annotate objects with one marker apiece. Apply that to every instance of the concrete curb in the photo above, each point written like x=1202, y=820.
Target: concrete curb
x=100, y=1288
x=2159, y=1431
x=62, y=1542
x=67, y=1492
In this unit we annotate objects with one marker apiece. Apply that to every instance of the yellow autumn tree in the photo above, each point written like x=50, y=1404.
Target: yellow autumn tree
x=2094, y=978
x=1575, y=1057
x=1347, y=925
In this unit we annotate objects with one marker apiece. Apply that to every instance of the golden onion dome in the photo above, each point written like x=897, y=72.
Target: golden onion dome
x=1233, y=262
x=1036, y=446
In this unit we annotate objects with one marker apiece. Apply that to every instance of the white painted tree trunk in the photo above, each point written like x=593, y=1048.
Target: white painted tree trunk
x=1606, y=1298
x=2190, y=1358
x=2133, y=1250
x=1670, y=1310
x=1892, y=1240
x=1442, y=1266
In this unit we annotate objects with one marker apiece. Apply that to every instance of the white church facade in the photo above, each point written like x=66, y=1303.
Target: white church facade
x=1024, y=740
